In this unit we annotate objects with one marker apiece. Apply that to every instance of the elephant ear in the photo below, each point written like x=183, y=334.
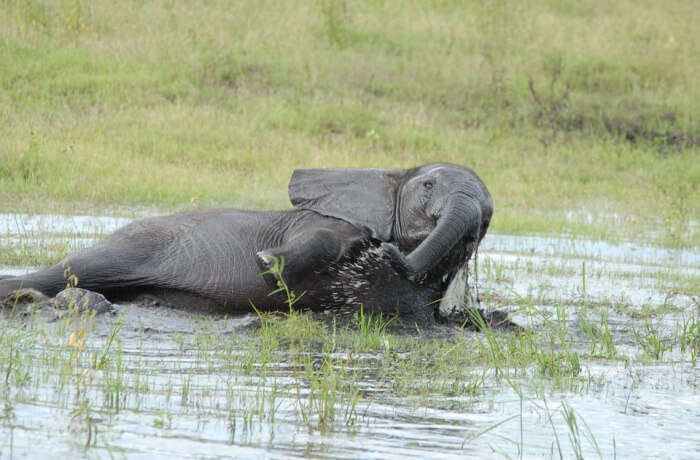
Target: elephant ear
x=363, y=197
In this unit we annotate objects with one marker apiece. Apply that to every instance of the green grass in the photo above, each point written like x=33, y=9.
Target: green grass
x=325, y=377
x=586, y=106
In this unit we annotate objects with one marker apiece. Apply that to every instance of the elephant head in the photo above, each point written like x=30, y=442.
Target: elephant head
x=424, y=212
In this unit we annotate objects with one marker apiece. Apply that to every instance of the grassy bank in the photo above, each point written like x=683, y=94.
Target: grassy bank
x=559, y=106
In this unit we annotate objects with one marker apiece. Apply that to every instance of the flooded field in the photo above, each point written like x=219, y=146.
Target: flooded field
x=606, y=366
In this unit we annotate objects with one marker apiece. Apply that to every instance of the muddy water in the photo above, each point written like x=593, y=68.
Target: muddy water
x=179, y=397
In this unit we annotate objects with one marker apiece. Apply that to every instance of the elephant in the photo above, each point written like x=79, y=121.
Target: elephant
x=391, y=240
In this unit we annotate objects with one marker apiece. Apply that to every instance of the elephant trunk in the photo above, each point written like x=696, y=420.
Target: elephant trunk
x=460, y=216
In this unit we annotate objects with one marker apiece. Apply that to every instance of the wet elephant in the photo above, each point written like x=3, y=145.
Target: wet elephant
x=389, y=239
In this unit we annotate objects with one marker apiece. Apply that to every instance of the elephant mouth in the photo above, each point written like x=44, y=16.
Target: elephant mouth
x=455, y=260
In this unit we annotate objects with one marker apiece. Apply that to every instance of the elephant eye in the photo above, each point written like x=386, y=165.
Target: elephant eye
x=428, y=185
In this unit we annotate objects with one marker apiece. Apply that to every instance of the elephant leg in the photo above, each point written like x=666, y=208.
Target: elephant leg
x=98, y=268
x=48, y=282
x=308, y=252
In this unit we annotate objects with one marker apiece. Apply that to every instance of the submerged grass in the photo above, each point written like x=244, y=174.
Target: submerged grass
x=283, y=370
x=328, y=376
x=324, y=375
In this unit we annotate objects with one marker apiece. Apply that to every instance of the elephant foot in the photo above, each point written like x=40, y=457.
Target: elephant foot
x=22, y=297
x=29, y=301
x=267, y=262
x=275, y=270
x=269, y=268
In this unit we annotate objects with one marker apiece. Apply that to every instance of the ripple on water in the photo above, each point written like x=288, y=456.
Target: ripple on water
x=632, y=408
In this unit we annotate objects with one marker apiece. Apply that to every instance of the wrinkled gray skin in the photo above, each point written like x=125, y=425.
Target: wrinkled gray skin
x=389, y=239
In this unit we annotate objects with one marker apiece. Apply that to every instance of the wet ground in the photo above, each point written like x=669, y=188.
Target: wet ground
x=153, y=382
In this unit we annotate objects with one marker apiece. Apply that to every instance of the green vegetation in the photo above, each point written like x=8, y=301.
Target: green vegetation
x=581, y=117
x=332, y=376
x=296, y=369
x=559, y=106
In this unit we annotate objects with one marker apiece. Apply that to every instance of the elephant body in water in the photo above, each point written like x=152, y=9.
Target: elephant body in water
x=389, y=239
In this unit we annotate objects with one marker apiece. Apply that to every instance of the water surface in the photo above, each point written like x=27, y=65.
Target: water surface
x=182, y=385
